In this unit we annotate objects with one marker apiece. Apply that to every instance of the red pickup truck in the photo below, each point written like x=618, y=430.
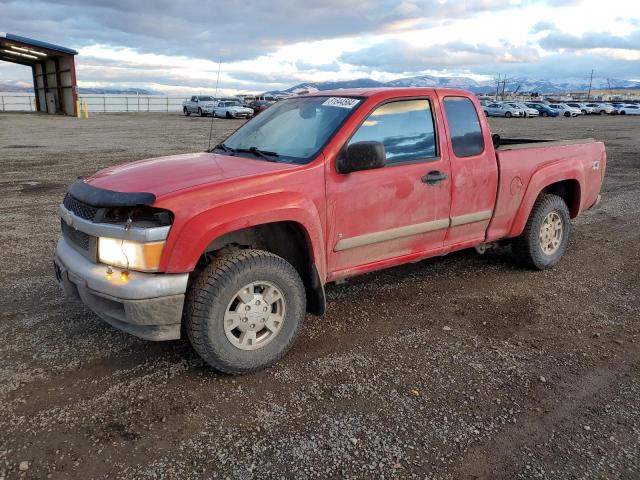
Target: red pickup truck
x=233, y=246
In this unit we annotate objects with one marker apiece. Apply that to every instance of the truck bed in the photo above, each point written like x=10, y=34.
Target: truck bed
x=523, y=165
x=500, y=143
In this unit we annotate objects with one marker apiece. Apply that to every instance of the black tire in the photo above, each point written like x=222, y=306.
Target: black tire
x=527, y=246
x=228, y=115
x=602, y=112
x=567, y=114
x=216, y=287
x=486, y=114
x=507, y=115
x=201, y=113
x=186, y=112
x=622, y=112
x=545, y=114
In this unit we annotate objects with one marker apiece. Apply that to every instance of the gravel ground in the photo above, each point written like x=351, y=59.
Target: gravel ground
x=461, y=367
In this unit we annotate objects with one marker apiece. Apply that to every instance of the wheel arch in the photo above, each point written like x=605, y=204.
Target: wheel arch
x=569, y=188
x=287, y=239
x=285, y=223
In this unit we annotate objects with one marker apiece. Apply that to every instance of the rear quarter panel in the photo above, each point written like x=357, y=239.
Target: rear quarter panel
x=526, y=170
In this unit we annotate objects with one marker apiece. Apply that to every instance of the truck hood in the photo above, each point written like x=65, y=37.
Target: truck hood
x=164, y=175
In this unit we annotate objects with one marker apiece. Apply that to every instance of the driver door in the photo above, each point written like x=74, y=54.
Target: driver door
x=401, y=209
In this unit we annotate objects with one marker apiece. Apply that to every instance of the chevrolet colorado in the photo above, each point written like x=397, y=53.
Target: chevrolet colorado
x=234, y=245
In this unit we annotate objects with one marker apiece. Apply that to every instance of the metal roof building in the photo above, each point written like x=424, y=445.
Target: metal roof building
x=53, y=68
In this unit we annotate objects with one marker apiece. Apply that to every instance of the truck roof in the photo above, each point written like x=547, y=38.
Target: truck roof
x=388, y=92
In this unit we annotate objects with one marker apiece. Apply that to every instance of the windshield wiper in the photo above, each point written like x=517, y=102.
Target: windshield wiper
x=269, y=156
x=222, y=146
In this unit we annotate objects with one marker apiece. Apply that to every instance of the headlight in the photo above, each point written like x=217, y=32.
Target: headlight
x=144, y=257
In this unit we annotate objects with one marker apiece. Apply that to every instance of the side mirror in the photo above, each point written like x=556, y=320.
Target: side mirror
x=361, y=156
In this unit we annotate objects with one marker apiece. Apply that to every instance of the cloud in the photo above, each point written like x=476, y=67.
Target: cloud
x=543, y=26
x=401, y=57
x=224, y=30
x=591, y=40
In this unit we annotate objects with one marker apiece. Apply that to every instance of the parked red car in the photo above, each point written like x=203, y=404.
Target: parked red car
x=234, y=246
x=259, y=106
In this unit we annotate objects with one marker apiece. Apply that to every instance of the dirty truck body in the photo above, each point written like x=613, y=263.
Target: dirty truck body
x=233, y=246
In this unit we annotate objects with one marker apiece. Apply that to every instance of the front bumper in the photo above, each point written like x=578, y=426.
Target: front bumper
x=147, y=305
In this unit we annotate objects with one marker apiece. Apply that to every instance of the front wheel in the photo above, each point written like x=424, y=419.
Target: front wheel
x=545, y=114
x=544, y=239
x=507, y=115
x=622, y=112
x=228, y=115
x=244, y=311
x=201, y=113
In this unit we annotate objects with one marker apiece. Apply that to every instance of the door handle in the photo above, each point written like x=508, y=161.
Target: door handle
x=434, y=177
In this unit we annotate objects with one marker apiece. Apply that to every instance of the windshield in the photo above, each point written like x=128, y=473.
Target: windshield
x=205, y=99
x=295, y=129
x=231, y=104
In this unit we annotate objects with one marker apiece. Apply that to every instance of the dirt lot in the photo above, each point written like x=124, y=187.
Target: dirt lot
x=462, y=367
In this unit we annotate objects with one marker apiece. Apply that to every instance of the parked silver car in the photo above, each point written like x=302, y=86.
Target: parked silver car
x=602, y=108
x=502, y=110
x=231, y=109
x=566, y=110
x=583, y=107
x=528, y=111
x=200, y=104
x=628, y=110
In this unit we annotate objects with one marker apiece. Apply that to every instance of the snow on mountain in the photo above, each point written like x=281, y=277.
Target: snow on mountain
x=488, y=86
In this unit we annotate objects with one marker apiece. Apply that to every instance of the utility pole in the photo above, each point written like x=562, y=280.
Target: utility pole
x=497, y=88
x=218, y=79
x=590, y=83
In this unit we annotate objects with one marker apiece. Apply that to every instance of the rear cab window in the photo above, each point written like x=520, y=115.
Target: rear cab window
x=406, y=129
x=464, y=127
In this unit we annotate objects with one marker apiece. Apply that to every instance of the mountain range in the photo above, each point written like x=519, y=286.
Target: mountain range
x=24, y=87
x=480, y=87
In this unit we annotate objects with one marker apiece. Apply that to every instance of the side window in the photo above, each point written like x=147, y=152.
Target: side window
x=466, y=134
x=193, y=99
x=405, y=128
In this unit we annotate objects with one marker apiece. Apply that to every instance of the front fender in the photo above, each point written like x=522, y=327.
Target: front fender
x=543, y=177
x=186, y=245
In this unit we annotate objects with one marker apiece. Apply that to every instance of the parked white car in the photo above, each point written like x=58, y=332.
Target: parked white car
x=583, y=107
x=602, y=108
x=200, y=104
x=502, y=110
x=566, y=110
x=528, y=111
x=629, y=110
x=231, y=109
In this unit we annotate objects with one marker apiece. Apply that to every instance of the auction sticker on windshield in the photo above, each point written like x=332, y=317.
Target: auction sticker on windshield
x=342, y=102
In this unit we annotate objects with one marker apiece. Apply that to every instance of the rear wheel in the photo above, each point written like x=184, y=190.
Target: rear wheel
x=244, y=311
x=486, y=114
x=544, y=239
x=200, y=112
x=545, y=114
x=507, y=115
x=186, y=111
x=622, y=112
x=567, y=114
x=228, y=115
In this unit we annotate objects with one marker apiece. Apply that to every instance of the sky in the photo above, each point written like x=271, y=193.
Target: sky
x=179, y=46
